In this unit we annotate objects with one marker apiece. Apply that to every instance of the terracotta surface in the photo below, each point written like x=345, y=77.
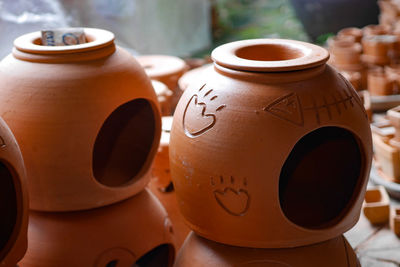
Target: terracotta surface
x=352, y=31
x=198, y=251
x=379, y=83
x=166, y=69
x=354, y=77
x=387, y=158
x=395, y=220
x=116, y=235
x=13, y=200
x=161, y=184
x=377, y=48
x=86, y=118
x=394, y=118
x=164, y=97
x=243, y=142
x=375, y=30
x=345, y=52
x=376, y=205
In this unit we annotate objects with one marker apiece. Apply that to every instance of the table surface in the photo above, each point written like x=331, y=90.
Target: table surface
x=375, y=246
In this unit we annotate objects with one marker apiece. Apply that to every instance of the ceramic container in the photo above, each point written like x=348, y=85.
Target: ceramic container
x=380, y=83
x=376, y=206
x=395, y=221
x=387, y=158
x=86, y=118
x=253, y=140
x=375, y=30
x=345, y=52
x=198, y=251
x=166, y=69
x=164, y=96
x=377, y=49
x=136, y=230
x=352, y=31
x=394, y=118
x=13, y=200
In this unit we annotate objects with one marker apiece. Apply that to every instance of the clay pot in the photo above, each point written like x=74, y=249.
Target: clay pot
x=253, y=141
x=394, y=117
x=379, y=83
x=375, y=30
x=166, y=69
x=13, y=200
x=356, y=33
x=378, y=49
x=164, y=96
x=387, y=158
x=395, y=221
x=376, y=206
x=86, y=118
x=136, y=230
x=345, y=52
x=198, y=251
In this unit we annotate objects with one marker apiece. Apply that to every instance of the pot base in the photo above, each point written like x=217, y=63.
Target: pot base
x=198, y=251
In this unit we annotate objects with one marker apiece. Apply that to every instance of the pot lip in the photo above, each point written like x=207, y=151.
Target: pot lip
x=28, y=42
x=310, y=56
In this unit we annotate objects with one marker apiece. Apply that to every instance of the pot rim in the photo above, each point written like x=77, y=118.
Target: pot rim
x=31, y=42
x=296, y=55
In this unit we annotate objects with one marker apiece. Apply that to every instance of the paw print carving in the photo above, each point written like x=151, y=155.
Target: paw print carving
x=231, y=195
x=197, y=117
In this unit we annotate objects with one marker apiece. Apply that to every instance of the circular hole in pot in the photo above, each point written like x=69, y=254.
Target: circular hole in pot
x=269, y=52
x=320, y=177
x=162, y=256
x=122, y=148
x=112, y=263
x=8, y=206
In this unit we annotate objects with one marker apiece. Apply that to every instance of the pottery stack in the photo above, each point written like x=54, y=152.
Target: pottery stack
x=88, y=124
x=250, y=142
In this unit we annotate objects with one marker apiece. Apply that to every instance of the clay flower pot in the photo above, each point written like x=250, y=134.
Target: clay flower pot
x=136, y=230
x=333, y=253
x=395, y=221
x=356, y=33
x=376, y=206
x=345, y=52
x=13, y=200
x=164, y=96
x=86, y=118
x=166, y=69
x=378, y=49
x=253, y=141
x=379, y=83
x=394, y=118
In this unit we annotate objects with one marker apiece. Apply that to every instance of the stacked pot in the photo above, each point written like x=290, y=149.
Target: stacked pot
x=88, y=124
x=250, y=141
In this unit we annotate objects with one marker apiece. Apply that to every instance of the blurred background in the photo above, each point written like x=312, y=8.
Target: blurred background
x=187, y=28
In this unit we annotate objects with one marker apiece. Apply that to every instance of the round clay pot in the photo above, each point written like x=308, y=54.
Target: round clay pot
x=166, y=69
x=198, y=252
x=356, y=33
x=379, y=83
x=253, y=141
x=13, y=200
x=345, y=52
x=378, y=49
x=164, y=96
x=136, y=230
x=86, y=118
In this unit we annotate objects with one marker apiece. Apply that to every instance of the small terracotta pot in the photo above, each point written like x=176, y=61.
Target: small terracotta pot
x=86, y=118
x=164, y=96
x=379, y=83
x=376, y=206
x=354, y=32
x=394, y=117
x=345, y=52
x=387, y=158
x=375, y=30
x=395, y=221
x=166, y=69
x=253, y=141
x=378, y=49
x=13, y=200
x=198, y=252
x=136, y=230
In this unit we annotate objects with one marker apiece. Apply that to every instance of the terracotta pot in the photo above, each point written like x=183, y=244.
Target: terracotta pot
x=86, y=118
x=164, y=96
x=375, y=30
x=395, y=221
x=376, y=206
x=387, y=158
x=246, y=145
x=357, y=33
x=136, y=230
x=378, y=49
x=13, y=200
x=166, y=69
x=379, y=83
x=345, y=52
x=198, y=252
x=394, y=117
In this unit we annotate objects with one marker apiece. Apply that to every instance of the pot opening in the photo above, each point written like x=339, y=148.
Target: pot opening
x=123, y=146
x=89, y=38
x=162, y=255
x=8, y=206
x=269, y=52
x=321, y=177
